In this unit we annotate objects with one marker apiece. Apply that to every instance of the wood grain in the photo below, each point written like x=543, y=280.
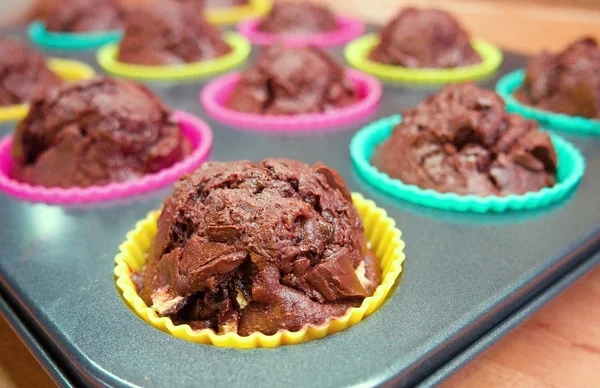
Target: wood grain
x=518, y=26
x=559, y=346
x=589, y=4
x=18, y=368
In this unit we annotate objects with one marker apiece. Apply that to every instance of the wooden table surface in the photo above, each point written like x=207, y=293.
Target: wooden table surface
x=559, y=346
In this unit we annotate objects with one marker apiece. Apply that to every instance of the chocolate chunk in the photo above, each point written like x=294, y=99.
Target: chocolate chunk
x=334, y=179
x=251, y=260
x=566, y=82
x=449, y=144
x=204, y=261
x=298, y=18
x=95, y=132
x=527, y=160
x=424, y=38
x=23, y=73
x=287, y=80
x=165, y=302
x=169, y=32
x=224, y=233
x=336, y=278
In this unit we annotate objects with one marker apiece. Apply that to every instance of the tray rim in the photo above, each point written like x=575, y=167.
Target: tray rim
x=34, y=345
x=586, y=256
x=510, y=323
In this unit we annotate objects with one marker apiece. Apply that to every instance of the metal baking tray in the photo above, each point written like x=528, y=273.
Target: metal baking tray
x=465, y=275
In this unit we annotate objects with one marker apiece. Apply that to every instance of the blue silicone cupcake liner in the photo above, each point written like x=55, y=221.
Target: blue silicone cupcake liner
x=72, y=41
x=571, y=166
x=574, y=124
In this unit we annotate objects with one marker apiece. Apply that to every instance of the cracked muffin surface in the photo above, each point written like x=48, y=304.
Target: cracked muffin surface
x=23, y=73
x=258, y=247
x=95, y=132
x=424, y=38
x=461, y=140
x=298, y=18
x=288, y=80
x=565, y=82
x=169, y=33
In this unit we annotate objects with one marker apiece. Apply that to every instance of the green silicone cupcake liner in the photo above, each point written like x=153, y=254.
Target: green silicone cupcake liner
x=571, y=167
x=575, y=124
x=232, y=15
x=70, y=41
x=240, y=50
x=357, y=51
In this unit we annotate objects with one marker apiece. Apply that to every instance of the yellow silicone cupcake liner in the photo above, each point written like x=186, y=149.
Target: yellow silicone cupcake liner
x=65, y=69
x=357, y=51
x=380, y=231
x=107, y=58
x=232, y=15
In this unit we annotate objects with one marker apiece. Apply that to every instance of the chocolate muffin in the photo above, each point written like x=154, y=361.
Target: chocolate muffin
x=244, y=247
x=84, y=16
x=298, y=18
x=424, y=38
x=169, y=33
x=93, y=133
x=566, y=82
x=286, y=80
x=23, y=73
x=461, y=140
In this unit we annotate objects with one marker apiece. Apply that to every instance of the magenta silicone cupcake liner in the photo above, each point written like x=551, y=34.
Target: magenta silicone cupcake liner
x=348, y=29
x=195, y=130
x=216, y=93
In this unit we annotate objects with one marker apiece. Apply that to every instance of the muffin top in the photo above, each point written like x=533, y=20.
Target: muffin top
x=461, y=140
x=245, y=247
x=566, y=82
x=23, y=73
x=169, y=32
x=286, y=80
x=298, y=18
x=424, y=38
x=84, y=16
x=95, y=132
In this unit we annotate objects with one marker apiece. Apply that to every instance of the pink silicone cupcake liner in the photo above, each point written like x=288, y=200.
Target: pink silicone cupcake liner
x=195, y=130
x=348, y=29
x=214, y=95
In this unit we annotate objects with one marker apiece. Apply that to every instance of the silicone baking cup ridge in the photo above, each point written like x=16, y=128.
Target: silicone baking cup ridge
x=231, y=15
x=70, y=40
x=214, y=95
x=241, y=48
x=356, y=54
x=380, y=230
x=571, y=167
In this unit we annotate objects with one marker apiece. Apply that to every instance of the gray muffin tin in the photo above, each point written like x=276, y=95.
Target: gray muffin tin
x=468, y=278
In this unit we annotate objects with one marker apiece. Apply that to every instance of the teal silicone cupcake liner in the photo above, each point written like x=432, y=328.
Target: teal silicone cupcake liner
x=72, y=41
x=571, y=166
x=574, y=124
